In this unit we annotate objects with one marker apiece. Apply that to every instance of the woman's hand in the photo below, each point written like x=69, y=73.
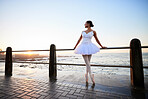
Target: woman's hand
x=74, y=47
x=104, y=47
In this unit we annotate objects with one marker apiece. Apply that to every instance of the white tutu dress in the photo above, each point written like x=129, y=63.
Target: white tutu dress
x=86, y=47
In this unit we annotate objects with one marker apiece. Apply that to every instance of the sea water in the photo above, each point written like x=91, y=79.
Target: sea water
x=122, y=59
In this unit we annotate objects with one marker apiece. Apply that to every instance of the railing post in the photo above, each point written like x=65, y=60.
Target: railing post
x=8, y=62
x=52, y=62
x=137, y=76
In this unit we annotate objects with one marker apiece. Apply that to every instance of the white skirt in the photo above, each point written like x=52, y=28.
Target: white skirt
x=86, y=49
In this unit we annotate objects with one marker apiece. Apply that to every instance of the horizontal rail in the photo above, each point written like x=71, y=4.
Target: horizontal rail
x=94, y=65
x=26, y=51
x=71, y=49
x=30, y=62
x=27, y=62
x=72, y=64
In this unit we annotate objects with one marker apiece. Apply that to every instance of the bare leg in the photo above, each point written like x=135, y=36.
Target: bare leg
x=85, y=57
x=89, y=58
x=88, y=69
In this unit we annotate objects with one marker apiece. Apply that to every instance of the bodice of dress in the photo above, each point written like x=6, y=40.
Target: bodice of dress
x=87, y=37
x=87, y=47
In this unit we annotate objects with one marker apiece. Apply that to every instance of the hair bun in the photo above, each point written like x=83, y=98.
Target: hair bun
x=90, y=22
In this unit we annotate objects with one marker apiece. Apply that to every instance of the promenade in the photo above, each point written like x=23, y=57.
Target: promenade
x=23, y=88
x=37, y=85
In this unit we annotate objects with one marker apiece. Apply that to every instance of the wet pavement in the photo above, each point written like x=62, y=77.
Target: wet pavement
x=23, y=88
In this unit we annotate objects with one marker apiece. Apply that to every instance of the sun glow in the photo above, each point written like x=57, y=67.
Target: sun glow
x=29, y=53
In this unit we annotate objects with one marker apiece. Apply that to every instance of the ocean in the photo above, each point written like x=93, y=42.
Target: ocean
x=69, y=57
x=122, y=59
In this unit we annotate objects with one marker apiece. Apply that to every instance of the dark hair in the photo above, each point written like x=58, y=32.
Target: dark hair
x=90, y=22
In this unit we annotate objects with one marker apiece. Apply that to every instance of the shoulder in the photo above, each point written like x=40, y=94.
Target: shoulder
x=83, y=31
x=94, y=32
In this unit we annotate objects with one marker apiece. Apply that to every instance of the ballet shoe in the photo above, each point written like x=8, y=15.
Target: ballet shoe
x=86, y=84
x=93, y=85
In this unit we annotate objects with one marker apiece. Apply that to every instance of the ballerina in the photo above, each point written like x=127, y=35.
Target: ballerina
x=87, y=48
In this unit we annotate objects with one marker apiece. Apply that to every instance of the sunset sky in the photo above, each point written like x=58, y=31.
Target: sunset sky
x=35, y=24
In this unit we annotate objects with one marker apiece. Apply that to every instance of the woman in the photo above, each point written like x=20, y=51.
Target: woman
x=87, y=48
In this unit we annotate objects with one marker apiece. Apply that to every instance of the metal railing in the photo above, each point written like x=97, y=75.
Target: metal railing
x=96, y=65
x=136, y=65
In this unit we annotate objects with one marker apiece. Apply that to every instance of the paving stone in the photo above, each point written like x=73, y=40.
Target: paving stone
x=48, y=97
x=26, y=97
x=16, y=88
x=43, y=93
x=64, y=93
x=71, y=96
x=35, y=95
x=61, y=97
x=78, y=90
x=72, y=91
x=41, y=97
x=78, y=94
x=57, y=95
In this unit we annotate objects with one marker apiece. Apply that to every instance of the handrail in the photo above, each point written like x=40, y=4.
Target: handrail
x=72, y=49
x=25, y=51
x=94, y=65
x=72, y=63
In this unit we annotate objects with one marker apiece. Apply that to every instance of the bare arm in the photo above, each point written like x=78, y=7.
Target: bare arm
x=97, y=40
x=78, y=41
